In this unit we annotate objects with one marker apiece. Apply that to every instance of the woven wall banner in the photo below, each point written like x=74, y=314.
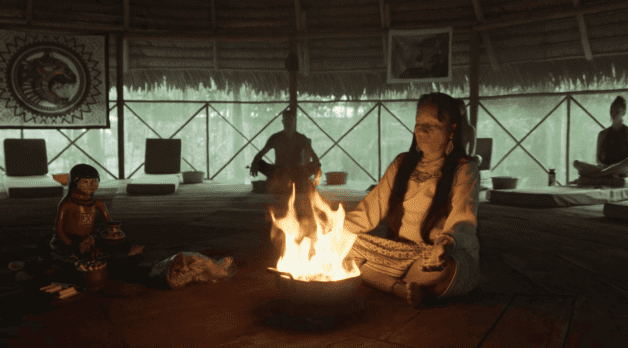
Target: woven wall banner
x=53, y=81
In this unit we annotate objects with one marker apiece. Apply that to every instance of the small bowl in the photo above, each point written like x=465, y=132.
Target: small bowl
x=336, y=178
x=114, y=241
x=61, y=178
x=193, y=177
x=504, y=182
x=16, y=265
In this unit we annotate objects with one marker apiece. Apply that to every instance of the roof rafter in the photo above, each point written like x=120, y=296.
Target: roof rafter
x=488, y=44
x=384, y=10
x=302, y=46
x=554, y=14
x=214, y=43
x=584, y=36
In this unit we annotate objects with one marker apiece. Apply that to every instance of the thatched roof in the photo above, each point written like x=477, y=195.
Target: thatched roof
x=523, y=43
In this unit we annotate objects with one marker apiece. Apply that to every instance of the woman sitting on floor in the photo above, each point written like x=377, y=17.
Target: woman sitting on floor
x=429, y=195
x=612, y=147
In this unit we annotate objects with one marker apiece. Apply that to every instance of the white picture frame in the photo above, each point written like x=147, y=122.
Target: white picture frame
x=420, y=56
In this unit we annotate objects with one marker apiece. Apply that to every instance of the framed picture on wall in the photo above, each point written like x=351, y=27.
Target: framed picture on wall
x=419, y=56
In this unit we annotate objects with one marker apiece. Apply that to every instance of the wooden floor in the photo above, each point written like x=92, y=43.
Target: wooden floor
x=552, y=278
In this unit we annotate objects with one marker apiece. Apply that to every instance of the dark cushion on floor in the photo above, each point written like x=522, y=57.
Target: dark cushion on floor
x=603, y=181
x=35, y=192
x=617, y=210
x=25, y=157
x=163, y=156
x=150, y=189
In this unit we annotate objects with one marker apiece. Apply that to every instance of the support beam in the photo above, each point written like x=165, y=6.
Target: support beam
x=305, y=49
x=126, y=15
x=584, y=35
x=384, y=11
x=551, y=15
x=125, y=55
x=29, y=11
x=488, y=44
x=474, y=77
x=214, y=43
x=120, y=101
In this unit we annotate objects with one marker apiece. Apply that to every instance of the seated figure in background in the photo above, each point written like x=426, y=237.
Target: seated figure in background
x=612, y=147
x=295, y=159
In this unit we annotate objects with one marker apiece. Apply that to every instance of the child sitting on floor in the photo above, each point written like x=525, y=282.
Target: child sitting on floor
x=76, y=213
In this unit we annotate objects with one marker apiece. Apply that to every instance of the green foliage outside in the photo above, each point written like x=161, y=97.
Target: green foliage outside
x=231, y=125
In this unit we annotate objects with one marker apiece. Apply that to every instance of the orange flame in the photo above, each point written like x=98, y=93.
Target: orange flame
x=318, y=256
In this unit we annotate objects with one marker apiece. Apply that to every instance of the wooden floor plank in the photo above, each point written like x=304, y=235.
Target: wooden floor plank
x=532, y=322
x=363, y=342
x=598, y=322
x=460, y=324
x=497, y=276
x=610, y=269
x=82, y=324
x=292, y=339
x=384, y=314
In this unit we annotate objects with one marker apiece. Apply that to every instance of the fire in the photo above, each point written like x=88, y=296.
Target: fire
x=316, y=256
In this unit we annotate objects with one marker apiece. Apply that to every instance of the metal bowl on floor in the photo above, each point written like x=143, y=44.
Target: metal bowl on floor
x=193, y=177
x=336, y=178
x=504, y=182
x=316, y=296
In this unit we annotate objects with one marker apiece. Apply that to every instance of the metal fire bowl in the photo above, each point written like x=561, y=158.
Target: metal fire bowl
x=315, y=294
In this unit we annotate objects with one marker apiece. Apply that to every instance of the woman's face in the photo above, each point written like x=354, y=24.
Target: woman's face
x=432, y=135
x=87, y=186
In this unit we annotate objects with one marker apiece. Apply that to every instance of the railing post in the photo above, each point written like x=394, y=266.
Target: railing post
x=379, y=139
x=207, y=137
x=120, y=99
x=568, y=137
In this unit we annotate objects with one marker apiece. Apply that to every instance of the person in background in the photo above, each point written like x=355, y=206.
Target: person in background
x=612, y=147
x=430, y=197
x=295, y=159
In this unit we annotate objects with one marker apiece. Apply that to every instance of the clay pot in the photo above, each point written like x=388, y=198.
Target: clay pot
x=95, y=280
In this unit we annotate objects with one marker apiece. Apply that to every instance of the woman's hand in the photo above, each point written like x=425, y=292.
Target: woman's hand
x=440, y=256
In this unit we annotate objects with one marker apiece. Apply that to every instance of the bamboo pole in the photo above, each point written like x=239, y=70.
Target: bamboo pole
x=474, y=79
x=120, y=101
